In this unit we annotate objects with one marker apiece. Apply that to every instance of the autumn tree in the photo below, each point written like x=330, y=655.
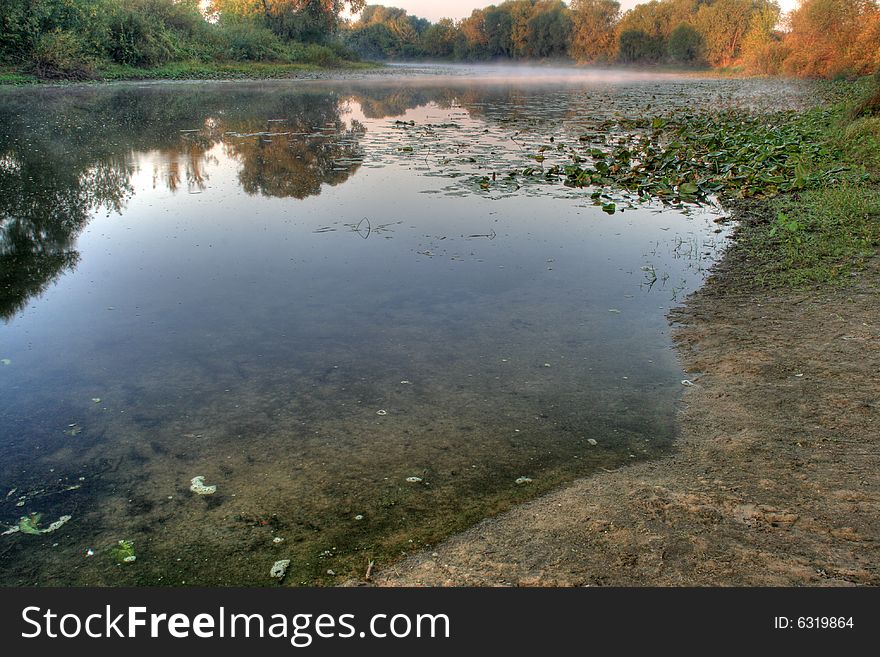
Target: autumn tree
x=593, y=36
x=832, y=37
x=724, y=25
x=762, y=50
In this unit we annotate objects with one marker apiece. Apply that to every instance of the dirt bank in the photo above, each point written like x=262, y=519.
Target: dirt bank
x=776, y=479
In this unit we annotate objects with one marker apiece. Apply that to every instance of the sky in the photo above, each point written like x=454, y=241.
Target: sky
x=434, y=10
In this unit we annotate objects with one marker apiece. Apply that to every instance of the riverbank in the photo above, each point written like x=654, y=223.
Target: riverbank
x=774, y=480
x=205, y=71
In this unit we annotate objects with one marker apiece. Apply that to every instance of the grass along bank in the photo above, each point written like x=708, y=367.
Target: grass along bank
x=199, y=71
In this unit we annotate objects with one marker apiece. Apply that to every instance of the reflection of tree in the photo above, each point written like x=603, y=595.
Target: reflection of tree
x=186, y=160
x=43, y=207
x=65, y=155
x=380, y=102
x=294, y=157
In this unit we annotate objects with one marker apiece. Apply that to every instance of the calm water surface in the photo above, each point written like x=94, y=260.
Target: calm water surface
x=313, y=295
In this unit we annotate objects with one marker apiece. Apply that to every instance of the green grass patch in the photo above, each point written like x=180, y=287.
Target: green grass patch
x=824, y=234
x=817, y=236
x=198, y=70
x=15, y=78
x=221, y=71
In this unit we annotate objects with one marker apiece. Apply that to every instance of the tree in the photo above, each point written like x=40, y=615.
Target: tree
x=658, y=18
x=301, y=20
x=724, y=25
x=498, y=23
x=825, y=38
x=637, y=46
x=438, y=40
x=373, y=41
x=549, y=30
x=594, y=24
x=685, y=45
x=762, y=49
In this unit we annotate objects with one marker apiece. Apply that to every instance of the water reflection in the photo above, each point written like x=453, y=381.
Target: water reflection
x=44, y=204
x=66, y=156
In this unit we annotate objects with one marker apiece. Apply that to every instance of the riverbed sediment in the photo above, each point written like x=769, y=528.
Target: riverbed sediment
x=775, y=479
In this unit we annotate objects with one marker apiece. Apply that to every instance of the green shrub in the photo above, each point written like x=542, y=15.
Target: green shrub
x=247, y=41
x=685, y=45
x=638, y=46
x=60, y=55
x=136, y=38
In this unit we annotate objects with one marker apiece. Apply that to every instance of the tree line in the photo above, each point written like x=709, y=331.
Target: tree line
x=819, y=38
x=80, y=38
x=76, y=38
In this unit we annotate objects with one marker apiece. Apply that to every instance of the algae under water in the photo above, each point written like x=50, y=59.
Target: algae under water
x=330, y=301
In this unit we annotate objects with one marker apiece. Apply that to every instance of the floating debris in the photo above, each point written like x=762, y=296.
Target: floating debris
x=613, y=310
x=123, y=551
x=73, y=430
x=686, y=382
x=89, y=552
x=592, y=441
x=413, y=480
x=405, y=382
x=359, y=517
x=523, y=480
x=5, y=361
x=97, y=400
x=197, y=486
x=279, y=569
x=31, y=525
x=277, y=540
x=381, y=412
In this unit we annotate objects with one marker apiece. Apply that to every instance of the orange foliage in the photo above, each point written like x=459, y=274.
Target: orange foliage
x=833, y=37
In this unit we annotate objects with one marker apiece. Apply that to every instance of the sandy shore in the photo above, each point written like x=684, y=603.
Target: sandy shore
x=776, y=476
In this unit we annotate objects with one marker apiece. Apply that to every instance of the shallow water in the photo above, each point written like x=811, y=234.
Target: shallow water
x=309, y=293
